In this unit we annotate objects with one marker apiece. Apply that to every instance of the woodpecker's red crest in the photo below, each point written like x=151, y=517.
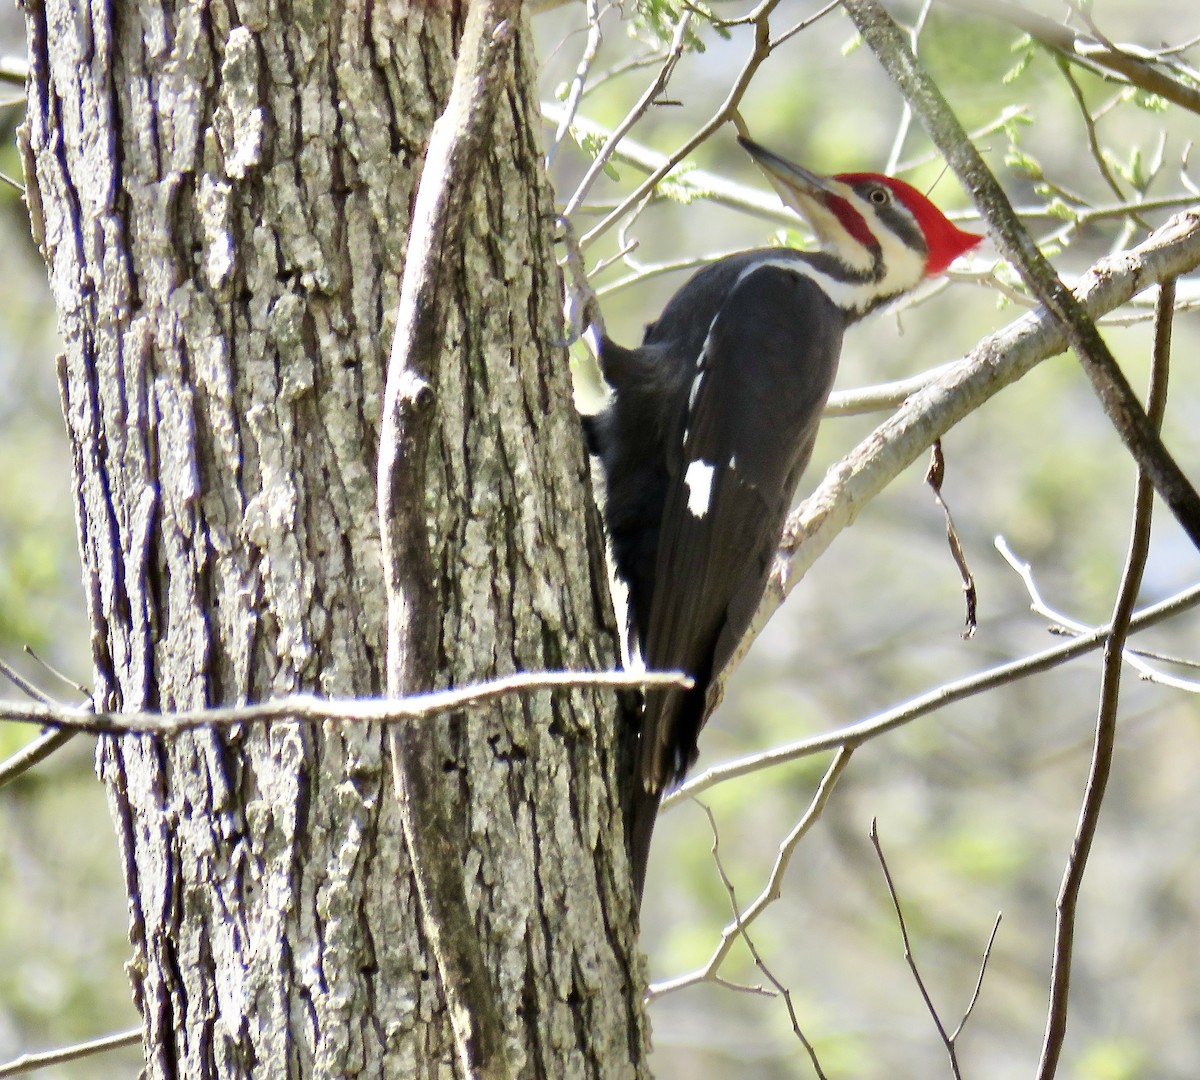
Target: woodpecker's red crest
x=945, y=240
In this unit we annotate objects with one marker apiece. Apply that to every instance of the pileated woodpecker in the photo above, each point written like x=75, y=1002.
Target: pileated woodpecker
x=712, y=420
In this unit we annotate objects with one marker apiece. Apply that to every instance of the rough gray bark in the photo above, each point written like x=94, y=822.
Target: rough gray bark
x=222, y=196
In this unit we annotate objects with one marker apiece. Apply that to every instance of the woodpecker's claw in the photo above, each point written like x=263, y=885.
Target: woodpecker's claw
x=581, y=306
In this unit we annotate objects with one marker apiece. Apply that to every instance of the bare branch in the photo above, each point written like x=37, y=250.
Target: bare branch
x=761, y=964
x=855, y=734
x=586, y=59
x=42, y=747
x=1091, y=214
x=881, y=397
x=760, y=18
x=983, y=964
x=1113, y=390
x=805, y=23
x=1061, y=623
x=643, y=103
x=1106, y=721
x=774, y=887
x=910, y=959
x=699, y=182
x=28, y=1063
x=948, y=1040
x=62, y=677
x=1089, y=124
x=305, y=708
x=906, y=113
x=33, y=754
x=24, y=685
x=1140, y=71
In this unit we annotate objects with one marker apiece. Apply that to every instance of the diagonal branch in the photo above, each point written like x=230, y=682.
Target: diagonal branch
x=1092, y=54
x=909, y=957
x=649, y=96
x=28, y=1063
x=773, y=889
x=760, y=19
x=33, y=754
x=1116, y=395
x=853, y=735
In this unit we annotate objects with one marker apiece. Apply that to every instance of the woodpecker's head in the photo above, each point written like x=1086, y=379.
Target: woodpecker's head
x=883, y=232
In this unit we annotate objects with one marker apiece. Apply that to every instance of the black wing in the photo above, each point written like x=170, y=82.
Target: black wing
x=763, y=377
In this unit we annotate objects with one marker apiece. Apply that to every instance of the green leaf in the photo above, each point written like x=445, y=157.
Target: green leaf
x=1019, y=159
x=1024, y=48
x=1150, y=102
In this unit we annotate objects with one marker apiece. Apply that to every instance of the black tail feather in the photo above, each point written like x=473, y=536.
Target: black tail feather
x=643, y=812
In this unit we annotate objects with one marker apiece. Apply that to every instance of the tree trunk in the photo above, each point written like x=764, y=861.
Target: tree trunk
x=223, y=208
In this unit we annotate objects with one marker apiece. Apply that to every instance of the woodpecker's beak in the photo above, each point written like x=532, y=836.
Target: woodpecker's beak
x=806, y=192
x=789, y=179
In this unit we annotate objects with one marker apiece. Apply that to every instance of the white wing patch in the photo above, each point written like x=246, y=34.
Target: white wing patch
x=699, y=479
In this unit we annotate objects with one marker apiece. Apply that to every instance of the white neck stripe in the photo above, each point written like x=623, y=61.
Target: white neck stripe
x=854, y=296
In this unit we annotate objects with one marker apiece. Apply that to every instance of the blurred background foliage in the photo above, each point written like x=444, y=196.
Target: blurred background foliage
x=976, y=805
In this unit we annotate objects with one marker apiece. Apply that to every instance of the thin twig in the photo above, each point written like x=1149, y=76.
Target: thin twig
x=1106, y=720
x=1061, y=623
x=774, y=886
x=42, y=747
x=698, y=183
x=33, y=754
x=1089, y=124
x=761, y=964
x=575, y=94
x=1115, y=394
x=306, y=708
x=653, y=270
x=24, y=685
x=28, y=1063
x=805, y=23
x=909, y=957
x=656, y=87
x=624, y=67
x=906, y=113
x=1090, y=215
x=760, y=18
x=983, y=964
x=62, y=677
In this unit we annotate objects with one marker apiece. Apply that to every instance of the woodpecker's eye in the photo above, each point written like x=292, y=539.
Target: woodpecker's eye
x=880, y=196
